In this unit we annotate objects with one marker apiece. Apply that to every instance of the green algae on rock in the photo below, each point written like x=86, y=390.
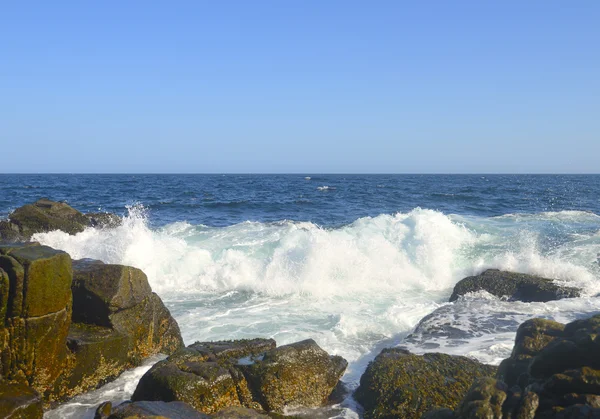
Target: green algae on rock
x=401, y=385
x=211, y=376
x=37, y=315
x=19, y=401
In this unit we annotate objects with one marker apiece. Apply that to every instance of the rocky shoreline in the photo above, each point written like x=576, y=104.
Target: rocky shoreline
x=71, y=326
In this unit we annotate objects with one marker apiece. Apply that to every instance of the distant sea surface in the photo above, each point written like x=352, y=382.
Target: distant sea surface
x=352, y=261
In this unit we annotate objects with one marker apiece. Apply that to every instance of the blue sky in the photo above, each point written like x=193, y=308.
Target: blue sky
x=300, y=86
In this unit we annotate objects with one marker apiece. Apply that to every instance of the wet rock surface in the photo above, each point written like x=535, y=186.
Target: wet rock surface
x=246, y=373
x=398, y=384
x=515, y=286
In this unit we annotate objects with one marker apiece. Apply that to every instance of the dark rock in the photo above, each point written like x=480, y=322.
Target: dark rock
x=554, y=371
x=100, y=290
x=398, y=384
x=239, y=413
x=300, y=374
x=18, y=401
x=10, y=233
x=439, y=414
x=46, y=215
x=154, y=410
x=516, y=286
x=98, y=356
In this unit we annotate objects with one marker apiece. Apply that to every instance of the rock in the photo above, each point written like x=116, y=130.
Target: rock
x=300, y=374
x=119, y=297
x=34, y=328
x=439, y=414
x=516, y=286
x=155, y=410
x=150, y=328
x=100, y=290
x=484, y=400
x=532, y=336
x=554, y=372
x=398, y=384
x=18, y=401
x=45, y=215
x=211, y=376
x=117, y=322
x=203, y=375
x=239, y=413
x=97, y=357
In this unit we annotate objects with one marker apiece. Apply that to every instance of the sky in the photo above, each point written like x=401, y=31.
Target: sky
x=284, y=86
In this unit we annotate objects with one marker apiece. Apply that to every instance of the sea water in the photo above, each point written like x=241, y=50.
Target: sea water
x=356, y=262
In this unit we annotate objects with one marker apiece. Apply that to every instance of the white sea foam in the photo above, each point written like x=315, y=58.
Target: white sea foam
x=354, y=289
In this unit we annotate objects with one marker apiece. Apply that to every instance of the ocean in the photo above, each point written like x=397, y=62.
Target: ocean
x=356, y=262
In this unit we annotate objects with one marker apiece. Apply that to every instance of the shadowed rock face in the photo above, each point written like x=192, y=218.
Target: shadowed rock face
x=250, y=373
x=45, y=215
x=398, y=384
x=516, y=286
x=117, y=322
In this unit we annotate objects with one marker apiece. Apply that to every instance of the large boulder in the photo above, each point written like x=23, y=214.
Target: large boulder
x=18, y=401
x=35, y=304
x=203, y=375
x=299, y=374
x=246, y=373
x=117, y=322
x=515, y=286
x=398, y=384
x=45, y=215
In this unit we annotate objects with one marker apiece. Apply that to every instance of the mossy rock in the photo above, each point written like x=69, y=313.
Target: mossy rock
x=46, y=215
x=515, y=286
x=36, y=305
x=206, y=386
x=398, y=384
x=202, y=375
x=96, y=357
x=150, y=328
x=100, y=290
x=299, y=374
x=484, y=400
x=40, y=280
x=18, y=401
